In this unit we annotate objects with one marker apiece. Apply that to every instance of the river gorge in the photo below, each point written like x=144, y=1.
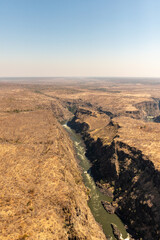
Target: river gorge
x=123, y=170
x=95, y=195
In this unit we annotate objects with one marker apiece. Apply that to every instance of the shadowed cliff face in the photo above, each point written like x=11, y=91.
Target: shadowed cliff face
x=137, y=192
x=131, y=175
x=148, y=109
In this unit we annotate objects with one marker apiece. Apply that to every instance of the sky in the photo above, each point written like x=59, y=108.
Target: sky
x=80, y=38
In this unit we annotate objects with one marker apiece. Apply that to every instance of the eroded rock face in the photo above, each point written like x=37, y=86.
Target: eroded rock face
x=132, y=175
x=148, y=108
x=108, y=207
x=116, y=232
x=157, y=119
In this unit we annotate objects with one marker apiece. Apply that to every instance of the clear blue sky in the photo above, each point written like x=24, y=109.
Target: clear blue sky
x=80, y=38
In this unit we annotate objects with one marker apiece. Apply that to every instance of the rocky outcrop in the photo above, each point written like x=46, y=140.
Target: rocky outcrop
x=110, y=114
x=108, y=207
x=148, y=108
x=131, y=174
x=116, y=232
x=157, y=119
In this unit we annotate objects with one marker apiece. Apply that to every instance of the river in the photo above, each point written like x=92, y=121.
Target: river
x=101, y=216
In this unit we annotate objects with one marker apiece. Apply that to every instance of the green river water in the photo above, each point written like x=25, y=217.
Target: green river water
x=101, y=216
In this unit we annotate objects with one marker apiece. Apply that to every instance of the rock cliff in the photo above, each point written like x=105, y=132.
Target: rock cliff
x=124, y=169
x=148, y=109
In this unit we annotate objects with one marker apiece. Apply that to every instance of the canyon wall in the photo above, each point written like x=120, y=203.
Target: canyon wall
x=148, y=109
x=125, y=171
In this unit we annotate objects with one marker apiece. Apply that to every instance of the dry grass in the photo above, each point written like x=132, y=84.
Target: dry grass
x=42, y=195
x=39, y=176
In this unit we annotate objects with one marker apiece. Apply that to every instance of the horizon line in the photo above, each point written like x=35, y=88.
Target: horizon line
x=78, y=77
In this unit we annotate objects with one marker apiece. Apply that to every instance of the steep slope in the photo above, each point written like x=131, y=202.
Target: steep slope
x=42, y=193
x=125, y=163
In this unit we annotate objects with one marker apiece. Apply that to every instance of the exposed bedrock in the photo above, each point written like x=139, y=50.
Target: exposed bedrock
x=132, y=177
x=148, y=108
x=157, y=119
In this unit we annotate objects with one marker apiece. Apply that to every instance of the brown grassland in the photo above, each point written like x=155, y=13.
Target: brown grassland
x=42, y=192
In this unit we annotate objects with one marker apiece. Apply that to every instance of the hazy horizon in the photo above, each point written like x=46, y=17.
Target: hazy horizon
x=94, y=38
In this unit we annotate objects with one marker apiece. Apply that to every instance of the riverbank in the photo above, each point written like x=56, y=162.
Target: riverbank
x=96, y=197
